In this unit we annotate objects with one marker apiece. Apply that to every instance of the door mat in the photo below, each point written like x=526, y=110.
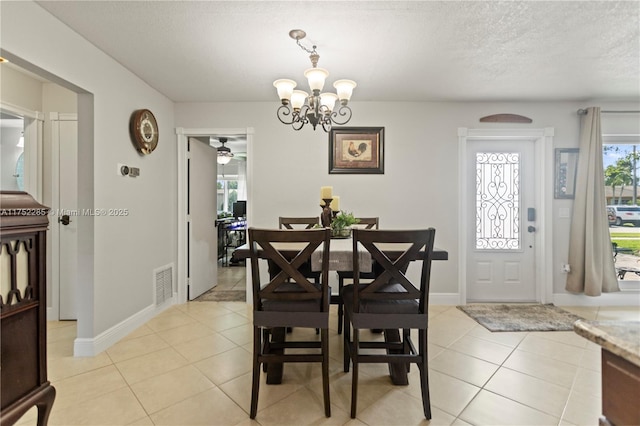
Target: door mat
x=521, y=317
x=214, y=295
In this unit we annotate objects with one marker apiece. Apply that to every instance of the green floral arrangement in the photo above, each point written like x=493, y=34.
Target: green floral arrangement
x=341, y=224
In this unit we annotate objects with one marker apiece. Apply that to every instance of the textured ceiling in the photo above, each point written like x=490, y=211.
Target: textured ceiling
x=395, y=50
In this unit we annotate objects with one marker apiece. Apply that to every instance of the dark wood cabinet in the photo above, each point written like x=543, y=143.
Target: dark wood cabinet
x=23, y=324
x=620, y=390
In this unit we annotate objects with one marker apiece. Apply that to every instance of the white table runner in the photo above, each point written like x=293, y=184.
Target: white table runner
x=341, y=257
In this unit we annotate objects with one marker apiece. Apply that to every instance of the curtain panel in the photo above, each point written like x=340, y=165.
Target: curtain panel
x=590, y=250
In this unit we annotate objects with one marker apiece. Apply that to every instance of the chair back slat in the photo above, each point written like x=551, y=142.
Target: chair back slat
x=288, y=251
x=413, y=245
x=367, y=223
x=305, y=222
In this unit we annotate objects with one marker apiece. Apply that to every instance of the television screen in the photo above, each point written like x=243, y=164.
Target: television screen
x=240, y=209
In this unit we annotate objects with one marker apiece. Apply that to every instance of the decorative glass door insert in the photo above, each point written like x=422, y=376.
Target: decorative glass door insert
x=498, y=201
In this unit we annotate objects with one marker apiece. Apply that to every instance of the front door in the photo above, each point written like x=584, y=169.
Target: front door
x=501, y=221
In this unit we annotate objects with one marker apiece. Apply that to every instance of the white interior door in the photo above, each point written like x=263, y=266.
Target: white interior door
x=64, y=221
x=201, y=218
x=501, y=221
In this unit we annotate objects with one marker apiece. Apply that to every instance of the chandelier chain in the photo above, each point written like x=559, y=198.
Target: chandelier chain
x=312, y=51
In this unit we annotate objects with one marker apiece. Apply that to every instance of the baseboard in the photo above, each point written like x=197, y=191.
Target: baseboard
x=106, y=339
x=620, y=298
x=452, y=299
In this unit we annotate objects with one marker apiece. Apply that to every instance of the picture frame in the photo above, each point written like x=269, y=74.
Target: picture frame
x=356, y=150
x=565, y=172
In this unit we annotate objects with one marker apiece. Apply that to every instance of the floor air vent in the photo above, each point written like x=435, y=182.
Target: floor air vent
x=163, y=280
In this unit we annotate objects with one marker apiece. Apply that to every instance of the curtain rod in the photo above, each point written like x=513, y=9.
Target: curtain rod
x=584, y=111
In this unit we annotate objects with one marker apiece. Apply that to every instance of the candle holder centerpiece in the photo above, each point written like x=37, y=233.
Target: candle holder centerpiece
x=341, y=224
x=326, y=215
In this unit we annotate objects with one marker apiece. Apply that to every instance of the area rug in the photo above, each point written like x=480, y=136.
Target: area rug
x=521, y=317
x=214, y=295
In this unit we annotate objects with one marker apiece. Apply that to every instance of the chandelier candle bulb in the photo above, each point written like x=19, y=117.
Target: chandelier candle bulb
x=335, y=203
x=328, y=100
x=285, y=89
x=345, y=90
x=297, y=99
x=326, y=192
x=316, y=78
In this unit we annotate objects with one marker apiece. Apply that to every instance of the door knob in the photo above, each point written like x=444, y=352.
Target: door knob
x=531, y=228
x=65, y=220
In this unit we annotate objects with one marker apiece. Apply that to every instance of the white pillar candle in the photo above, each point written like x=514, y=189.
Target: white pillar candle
x=326, y=192
x=335, y=203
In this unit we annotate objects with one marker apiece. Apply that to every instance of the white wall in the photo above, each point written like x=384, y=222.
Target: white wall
x=19, y=89
x=420, y=185
x=118, y=254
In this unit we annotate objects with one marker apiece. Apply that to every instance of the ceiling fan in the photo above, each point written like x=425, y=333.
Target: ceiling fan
x=224, y=153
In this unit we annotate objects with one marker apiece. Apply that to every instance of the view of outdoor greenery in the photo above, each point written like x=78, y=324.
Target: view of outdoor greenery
x=621, y=163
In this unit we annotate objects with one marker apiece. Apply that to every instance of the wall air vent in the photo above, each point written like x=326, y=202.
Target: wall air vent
x=163, y=284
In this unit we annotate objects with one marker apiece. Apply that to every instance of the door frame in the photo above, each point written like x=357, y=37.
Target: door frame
x=183, y=134
x=54, y=119
x=543, y=164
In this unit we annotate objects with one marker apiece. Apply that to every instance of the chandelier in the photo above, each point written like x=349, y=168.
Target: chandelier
x=299, y=108
x=224, y=154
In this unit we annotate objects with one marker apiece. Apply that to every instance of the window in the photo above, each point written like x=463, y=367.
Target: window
x=227, y=194
x=621, y=162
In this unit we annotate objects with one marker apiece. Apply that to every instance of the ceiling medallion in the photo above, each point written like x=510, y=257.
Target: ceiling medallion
x=299, y=108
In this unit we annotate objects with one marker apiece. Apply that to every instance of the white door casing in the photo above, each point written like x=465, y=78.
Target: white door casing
x=202, y=214
x=64, y=267
x=500, y=274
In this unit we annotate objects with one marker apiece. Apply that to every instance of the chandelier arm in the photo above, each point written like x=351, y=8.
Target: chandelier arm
x=326, y=125
x=300, y=118
x=283, y=112
x=344, y=112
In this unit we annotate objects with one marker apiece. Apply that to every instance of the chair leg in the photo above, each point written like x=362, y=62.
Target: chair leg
x=265, y=348
x=354, y=373
x=325, y=371
x=340, y=304
x=346, y=347
x=406, y=339
x=424, y=374
x=255, y=383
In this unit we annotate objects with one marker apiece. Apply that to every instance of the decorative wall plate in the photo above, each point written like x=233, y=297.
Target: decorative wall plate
x=144, y=131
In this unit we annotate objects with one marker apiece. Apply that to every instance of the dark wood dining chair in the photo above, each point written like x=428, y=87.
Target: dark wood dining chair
x=293, y=222
x=366, y=223
x=390, y=302
x=288, y=299
x=302, y=223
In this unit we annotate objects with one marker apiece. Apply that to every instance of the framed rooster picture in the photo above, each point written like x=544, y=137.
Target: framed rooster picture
x=356, y=150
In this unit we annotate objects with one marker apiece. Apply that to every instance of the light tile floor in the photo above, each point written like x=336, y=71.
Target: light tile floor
x=191, y=365
x=231, y=277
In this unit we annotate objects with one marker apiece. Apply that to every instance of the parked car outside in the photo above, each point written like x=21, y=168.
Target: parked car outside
x=626, y=214
x=611, y=215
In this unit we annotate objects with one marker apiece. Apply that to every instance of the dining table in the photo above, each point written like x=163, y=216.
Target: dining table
x=340, y=259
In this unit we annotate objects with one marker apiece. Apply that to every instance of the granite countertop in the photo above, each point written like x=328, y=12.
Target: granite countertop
x=619, y=337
